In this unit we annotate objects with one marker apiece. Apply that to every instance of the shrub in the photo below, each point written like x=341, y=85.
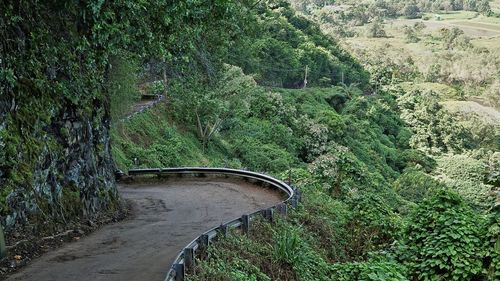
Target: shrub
x=376, y=29
x=414, y=185
x=411, y=11
x=372, y=225
x=287, y=246
x=466, y=176
x=416, y=159
x=492, y=247
x=377, y=268
x=442, y=240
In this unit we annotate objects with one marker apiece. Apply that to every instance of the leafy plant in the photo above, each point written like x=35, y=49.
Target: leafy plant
x=287, y=246
x=415, y=185
x=443, y=240
x=376, y=268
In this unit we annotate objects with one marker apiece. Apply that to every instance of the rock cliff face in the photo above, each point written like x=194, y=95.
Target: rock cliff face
x=55, y=159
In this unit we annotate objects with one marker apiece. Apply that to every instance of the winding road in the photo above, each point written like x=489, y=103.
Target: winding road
x=165, y=217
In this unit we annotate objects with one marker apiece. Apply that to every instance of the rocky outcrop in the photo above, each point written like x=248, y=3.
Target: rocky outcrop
x=55, y=159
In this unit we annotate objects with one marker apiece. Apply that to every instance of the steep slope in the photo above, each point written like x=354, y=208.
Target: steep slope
x=55, y=160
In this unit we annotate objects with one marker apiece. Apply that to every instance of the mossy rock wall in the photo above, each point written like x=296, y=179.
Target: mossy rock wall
x=55, y=161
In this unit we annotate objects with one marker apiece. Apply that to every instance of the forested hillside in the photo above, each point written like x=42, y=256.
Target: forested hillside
x=396, y=185
x=388, y=173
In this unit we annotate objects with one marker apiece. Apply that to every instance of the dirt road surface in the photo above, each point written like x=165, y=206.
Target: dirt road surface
x=165, y=217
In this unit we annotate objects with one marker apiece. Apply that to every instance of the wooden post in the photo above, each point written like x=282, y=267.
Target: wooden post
x=164, y=77
x=3, y=248
x=305, y=76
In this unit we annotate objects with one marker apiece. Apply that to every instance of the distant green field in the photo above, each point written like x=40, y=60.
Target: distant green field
x=495, y=6
x=488, y=114
x=483, y=31
x=455, y=15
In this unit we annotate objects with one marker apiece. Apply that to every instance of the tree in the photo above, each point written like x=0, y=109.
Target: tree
x=376, y=29
x=484, y=8
x=455, y=37
x=470, y=5
x=411, y=34
x=434, y=129
x=415, y=185
x=207, y=107
x=411, y=11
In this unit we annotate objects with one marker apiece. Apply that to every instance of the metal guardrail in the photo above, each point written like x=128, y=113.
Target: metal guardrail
x=185, y=260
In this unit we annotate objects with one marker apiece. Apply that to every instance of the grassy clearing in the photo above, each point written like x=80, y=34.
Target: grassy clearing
x=488, y=114
x=473, y=28
x=479, y=25
x=453, y=15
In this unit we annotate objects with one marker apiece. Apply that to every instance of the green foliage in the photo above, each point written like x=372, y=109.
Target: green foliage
x=208, y=108
x=414, y=185
x=434, y=129
x=156, y=88
x=281, y=43
x=373, y=224
x=232, y=259
x=287, y=246
x=259, y=256
x=411, y=11
x=376, y=268
x=455, y=38
x=491, y=259
x=467, y=176
x=413, y=158
x=443, y=240
x=148, y=140
x=339, y=170
x=262, y=157
x=411, y=34
x=376, y=29
x=122, y=85
x=326, y=220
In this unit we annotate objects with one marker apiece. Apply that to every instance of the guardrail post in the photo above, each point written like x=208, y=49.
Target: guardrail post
x=270, y=214
x=245, y=223
x=283, y=209
x=204, y=240
x=189, y=260
x=295, y=203
x=179, y=271
x=224, y=229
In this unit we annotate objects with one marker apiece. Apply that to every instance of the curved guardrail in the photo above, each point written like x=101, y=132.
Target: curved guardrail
x=185, y=260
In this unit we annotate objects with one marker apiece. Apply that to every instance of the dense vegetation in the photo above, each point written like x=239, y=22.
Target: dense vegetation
x=395, y=186
x=382, y=165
